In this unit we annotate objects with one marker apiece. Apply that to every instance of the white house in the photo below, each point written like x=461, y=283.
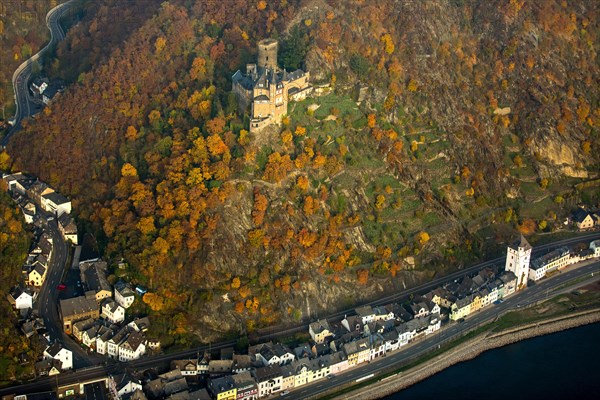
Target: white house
x=518, y=255
x=133, y=347
x=124, y=295
x=113, y=344
x=102, y=338
x=57, y=352
x=551, y=261
x=123, y=384
x=89, y=337
x=21, y=298
x=274, y=354
x=406, y=333
x=56, y=203
x=268, y=379
x=366, y=314
x=112, y=311
x=435, y=323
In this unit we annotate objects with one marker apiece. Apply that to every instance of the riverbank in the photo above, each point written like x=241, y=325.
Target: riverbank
x=470, y=349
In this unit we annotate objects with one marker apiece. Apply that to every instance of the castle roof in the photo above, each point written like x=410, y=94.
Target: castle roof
x=521, y=243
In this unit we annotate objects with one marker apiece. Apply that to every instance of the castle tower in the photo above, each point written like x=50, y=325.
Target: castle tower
x=518, y=256
x=267, y=54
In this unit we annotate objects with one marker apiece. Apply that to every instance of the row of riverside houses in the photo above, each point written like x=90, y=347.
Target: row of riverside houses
x=472, y=293
x=33, y=195
x=97, y=319
x=372, y=332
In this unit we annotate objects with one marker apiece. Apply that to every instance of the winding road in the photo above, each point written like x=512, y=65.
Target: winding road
x=25, y=105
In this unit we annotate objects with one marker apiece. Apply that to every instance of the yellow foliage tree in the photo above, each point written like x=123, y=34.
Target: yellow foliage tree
x=423, y=237
x=154, y=301
x=235, y=283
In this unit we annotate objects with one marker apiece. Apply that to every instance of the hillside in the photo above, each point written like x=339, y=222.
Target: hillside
x=439, y=128
x=22, y=31
x=14, y=245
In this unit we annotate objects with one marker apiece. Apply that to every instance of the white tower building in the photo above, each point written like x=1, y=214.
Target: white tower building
x=518, y=256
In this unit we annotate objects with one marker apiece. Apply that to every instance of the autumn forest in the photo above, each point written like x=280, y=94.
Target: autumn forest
x=435, y=126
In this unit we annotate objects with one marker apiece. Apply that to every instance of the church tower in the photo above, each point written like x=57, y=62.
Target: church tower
x=518, y=256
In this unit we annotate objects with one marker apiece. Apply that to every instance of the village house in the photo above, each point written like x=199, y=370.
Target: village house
x=103, y=336
x=267, y=89
x=339, y=362
x=595, y=246
x=319, y=330
x=77, y=309
x=461, y=308
x=246, y=387
x=272, y=354
x=187, y=367
x=268, y=380
x=37, y=274
x=288, y=377
x=121, y=385
x=357, y=352
x=241, y=363
x=57, y=352
x=133, y=347
x=112, y=311
x=113, y=344
x=140, y=324
x=68, y=228
x=365, y=313
x=556, y=259
x=21, y=297
x=218, y=368
x=55, y=203
x=48, y=367
x=80, y=327
x=54, y=88
x=37, y=189
x=38, y=85
x=89, y=336
x=124, y=295
x=223, y=388
x=583, y=219
x=509, y=284
x=93, y=275
x=166, y=384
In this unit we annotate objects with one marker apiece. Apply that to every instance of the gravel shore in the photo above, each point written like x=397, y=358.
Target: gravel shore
x=469, y=350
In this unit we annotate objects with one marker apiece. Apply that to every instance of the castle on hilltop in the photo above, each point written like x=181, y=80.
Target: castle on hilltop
x=267, y=89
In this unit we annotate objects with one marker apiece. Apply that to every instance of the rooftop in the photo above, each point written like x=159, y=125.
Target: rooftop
x=77, y=305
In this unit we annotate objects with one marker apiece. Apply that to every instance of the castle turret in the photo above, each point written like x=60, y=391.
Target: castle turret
x=267, y=54
x=518, y=255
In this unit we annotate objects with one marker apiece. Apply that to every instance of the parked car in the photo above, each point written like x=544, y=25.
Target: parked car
x=61, y=287
x=285, y=392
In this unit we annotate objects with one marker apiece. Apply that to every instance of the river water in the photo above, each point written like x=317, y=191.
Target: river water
x=563, y=365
